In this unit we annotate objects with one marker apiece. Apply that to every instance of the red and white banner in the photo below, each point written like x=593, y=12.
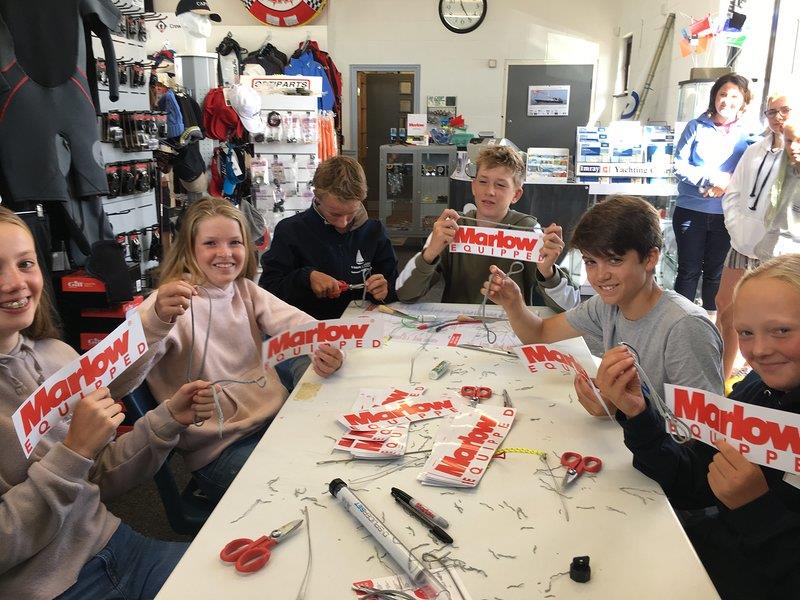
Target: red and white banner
x=405, y=411
x=303, y=340
x=765, y=436
x=464, y=447
x=54, y=400
x=499, y=243
x=542, y=358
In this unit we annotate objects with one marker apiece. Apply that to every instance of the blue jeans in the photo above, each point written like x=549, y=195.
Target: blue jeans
x=215, y=478
x=130, y=566
x=703, y=242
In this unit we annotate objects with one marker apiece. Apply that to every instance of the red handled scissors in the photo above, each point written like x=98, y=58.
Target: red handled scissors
x=344, y=286
x=577, y=464
x=250, y=555
x=476, y=393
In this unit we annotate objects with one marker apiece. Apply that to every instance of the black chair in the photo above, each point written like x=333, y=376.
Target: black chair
x=188, y=510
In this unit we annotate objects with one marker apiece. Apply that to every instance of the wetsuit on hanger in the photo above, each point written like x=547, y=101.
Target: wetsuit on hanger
x=48, y=121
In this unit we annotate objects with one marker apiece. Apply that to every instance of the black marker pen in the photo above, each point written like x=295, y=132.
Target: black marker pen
x=439, y=533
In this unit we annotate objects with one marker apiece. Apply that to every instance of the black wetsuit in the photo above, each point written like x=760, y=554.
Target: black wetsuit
x=48, y=112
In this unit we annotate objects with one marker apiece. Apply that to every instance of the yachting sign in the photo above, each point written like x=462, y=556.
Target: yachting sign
x=52, y=401
x=499, y=243
x=303, y=340
x=765, y=436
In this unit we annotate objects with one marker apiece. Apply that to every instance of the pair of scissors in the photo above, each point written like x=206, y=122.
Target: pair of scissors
x=577, y=464
x=249, y=555
x=344, y=286
x=476, y=393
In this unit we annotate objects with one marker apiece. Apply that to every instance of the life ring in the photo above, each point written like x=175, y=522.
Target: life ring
x=627, y=114
x=285, y=13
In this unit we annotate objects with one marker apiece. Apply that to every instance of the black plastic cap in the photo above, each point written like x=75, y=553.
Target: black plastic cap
x=398, y=493
x=335, y=485
x=580, y=570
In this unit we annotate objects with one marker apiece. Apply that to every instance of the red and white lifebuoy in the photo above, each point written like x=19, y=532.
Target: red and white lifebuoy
x=285, y=13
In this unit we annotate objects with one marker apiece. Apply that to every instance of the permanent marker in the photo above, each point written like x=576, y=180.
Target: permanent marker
x=416, y=504
x=437, y=532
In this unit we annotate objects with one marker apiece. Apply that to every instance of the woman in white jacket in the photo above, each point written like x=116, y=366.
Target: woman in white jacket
x=754, y=230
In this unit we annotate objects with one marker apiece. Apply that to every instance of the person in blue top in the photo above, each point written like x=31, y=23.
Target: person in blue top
x=705, y=157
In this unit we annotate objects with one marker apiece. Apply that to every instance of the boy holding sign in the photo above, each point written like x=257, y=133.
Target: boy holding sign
x=497, y=185
x=620, y=240
x=752, y=547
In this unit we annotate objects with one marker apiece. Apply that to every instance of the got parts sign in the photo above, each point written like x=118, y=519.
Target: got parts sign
x=303, y=340
x=52, y=401
x=765, y=436
x=499, y=243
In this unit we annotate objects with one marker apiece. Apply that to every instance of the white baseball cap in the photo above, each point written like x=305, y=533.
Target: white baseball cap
x=247, y=104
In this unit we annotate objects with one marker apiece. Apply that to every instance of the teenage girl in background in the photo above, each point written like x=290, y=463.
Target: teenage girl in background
x=56, y=535
x=209, y=317
x=751, y=216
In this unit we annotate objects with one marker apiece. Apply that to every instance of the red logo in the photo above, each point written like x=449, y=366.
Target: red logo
x=471, y=443
x=750, y=429
x=320, y=334
x=468, y=235
x=90, y=370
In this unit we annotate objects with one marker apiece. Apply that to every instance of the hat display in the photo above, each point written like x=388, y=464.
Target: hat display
x=247, y=104
x=220, y=121
x=197, y=6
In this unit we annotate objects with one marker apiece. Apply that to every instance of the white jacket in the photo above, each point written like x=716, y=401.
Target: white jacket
x=747, y=200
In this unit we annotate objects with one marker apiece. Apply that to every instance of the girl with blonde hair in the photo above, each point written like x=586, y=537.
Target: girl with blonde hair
x=208, y=319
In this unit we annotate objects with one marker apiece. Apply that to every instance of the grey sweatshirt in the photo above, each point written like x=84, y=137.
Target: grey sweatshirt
x=464, y=275
x=52, y=516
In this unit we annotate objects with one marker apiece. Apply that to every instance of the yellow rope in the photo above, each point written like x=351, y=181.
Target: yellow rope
x=504, y=451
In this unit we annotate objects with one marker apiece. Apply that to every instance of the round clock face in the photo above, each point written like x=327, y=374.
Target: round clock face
x=284, y=13
x=462, y=16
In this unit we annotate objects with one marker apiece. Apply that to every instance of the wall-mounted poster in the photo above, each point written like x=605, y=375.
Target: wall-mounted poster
x=548, y=100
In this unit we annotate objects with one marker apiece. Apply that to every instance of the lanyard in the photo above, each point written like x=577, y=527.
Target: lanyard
x=755, y=196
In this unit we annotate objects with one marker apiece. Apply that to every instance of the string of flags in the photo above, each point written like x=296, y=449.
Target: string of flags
x=696, y=37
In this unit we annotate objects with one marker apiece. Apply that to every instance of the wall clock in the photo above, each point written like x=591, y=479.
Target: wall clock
x=462, y=16
x=285, y=13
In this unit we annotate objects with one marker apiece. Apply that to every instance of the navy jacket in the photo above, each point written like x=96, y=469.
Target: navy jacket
x=766, y=532
x=305, y=242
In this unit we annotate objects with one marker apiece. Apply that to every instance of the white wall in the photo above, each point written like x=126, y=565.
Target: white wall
x=457, y=65
x=645, y=21
x=576, y=31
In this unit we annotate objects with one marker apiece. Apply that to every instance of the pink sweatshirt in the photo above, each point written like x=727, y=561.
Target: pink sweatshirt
x=239, y=316
x=52, y=516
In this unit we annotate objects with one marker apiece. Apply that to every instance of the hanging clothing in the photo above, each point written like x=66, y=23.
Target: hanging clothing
x=229, y=61
x=306, y=65
x=269, y=58
x=326, y=144
x=334, y=76
x=48, y=119
x=169, y=104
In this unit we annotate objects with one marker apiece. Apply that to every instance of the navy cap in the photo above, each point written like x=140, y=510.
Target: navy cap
x=197, y=6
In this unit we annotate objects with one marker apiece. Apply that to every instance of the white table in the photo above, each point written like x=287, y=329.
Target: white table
x=619, y=517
